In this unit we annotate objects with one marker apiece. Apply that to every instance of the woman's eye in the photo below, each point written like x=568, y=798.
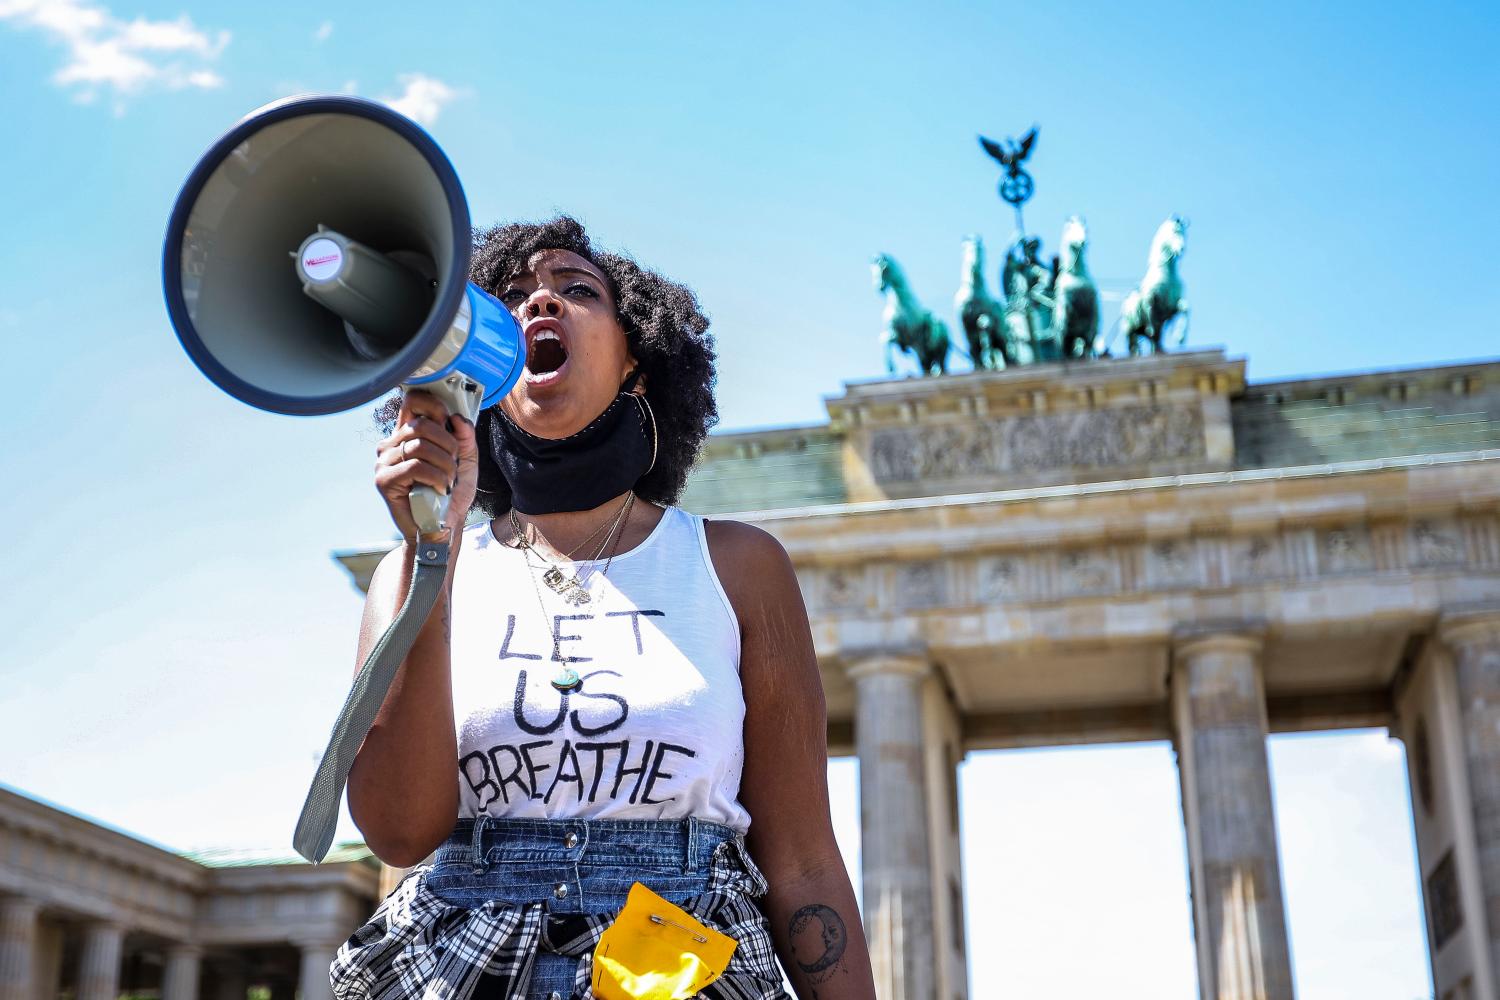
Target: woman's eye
x=511, y=295
x=582, y=289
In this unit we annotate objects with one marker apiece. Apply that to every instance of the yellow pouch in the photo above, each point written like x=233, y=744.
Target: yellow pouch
x=655, y=951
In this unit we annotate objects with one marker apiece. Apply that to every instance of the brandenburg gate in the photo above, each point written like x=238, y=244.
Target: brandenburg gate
x=1149, y=549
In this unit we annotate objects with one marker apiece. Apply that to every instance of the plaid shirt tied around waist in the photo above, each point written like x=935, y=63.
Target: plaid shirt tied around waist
x=418, y=944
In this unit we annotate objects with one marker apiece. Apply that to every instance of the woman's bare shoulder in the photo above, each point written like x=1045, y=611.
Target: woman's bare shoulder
x=752, y=565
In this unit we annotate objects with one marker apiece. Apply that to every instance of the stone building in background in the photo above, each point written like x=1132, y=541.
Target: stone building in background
x=88, y=912
x=1127, y=549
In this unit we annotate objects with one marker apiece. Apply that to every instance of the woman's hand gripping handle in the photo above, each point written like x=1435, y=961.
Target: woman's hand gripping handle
x=429, y=450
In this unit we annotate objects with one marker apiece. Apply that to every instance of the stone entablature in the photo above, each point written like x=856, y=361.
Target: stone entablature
x=93, y=872
x=1117, y=539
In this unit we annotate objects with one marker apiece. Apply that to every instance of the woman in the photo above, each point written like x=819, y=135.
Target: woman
x=632, y=689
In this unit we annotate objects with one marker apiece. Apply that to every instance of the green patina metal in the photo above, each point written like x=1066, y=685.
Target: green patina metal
x=1075, y=297
x=1046, y=311
x=908, y=326
x=1159, y=300
x=981, y=316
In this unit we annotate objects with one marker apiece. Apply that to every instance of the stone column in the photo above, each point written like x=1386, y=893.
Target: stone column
x=18, y=947
x=99, y=968
x=46, y=975
x=893, y=810
x=180, y=980
x=1474, y=638
x=317, y=959
x=1239, y=921
x=942, y=737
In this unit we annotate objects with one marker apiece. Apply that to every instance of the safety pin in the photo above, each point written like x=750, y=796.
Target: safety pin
x=655, y=919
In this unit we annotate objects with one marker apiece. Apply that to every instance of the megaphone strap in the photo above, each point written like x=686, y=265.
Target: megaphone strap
x=320, y=813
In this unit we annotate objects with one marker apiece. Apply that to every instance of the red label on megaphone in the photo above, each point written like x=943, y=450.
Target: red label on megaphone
x=322, y=259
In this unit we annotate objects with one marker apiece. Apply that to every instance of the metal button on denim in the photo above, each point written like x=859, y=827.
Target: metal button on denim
x=560, y=890
x=571, y=840
x=554, y=995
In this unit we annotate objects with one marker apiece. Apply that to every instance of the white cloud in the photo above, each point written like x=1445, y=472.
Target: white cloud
x=324, y=30
x=424, y=97
x=126, y=57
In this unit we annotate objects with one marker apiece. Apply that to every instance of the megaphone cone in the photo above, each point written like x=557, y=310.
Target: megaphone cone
x=314, y=173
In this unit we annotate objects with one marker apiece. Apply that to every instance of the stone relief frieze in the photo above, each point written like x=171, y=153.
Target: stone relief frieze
x=921, y=584
x=1088, y=571
x=844, y=588
x=1171, y=563
x=1133, y=435
x=1001, y=578
x=1437, y=542
x=1256, y=557
x=1346, y=550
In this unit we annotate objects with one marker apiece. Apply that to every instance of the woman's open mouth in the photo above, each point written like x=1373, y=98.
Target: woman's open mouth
x=546, y=355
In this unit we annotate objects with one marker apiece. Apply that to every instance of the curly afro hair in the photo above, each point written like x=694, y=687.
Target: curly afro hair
x=666, y=331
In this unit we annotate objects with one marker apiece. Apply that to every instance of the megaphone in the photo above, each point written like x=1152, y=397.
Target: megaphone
x=318, y=257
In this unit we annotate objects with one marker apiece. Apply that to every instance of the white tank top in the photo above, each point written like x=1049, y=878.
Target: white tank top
x=657, y=729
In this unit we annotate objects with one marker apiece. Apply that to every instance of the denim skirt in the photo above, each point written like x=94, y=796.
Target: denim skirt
x=511, y=909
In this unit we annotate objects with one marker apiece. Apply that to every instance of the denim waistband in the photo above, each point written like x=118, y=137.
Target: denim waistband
x=485, y=840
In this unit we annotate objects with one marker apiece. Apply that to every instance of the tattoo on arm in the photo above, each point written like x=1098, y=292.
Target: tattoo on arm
x=818, y=941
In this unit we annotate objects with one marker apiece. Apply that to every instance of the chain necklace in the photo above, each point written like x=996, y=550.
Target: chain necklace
x=559, y=582
x=567, y=679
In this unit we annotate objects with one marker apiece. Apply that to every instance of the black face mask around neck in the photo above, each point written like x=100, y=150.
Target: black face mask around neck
x=582, y=470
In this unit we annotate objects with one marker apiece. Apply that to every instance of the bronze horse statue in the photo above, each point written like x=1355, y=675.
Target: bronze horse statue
x=1147, y=310
x=1075, y=297
x=982, y=317
x=908, y=326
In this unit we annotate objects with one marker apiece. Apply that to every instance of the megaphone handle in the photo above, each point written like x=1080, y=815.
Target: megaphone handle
x=462, y=395
x=320, y=812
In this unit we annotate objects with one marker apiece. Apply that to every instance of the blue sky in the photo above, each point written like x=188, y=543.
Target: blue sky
x=178, y=638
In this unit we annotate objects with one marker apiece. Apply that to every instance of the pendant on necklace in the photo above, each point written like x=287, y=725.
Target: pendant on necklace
x=555, y=579
x=567, y=680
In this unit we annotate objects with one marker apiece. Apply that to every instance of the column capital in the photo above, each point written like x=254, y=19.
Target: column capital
x=20, y=906
x=186, y=949
x=1468, y=626
x=104, y=925
x=1210, y=637
x=880, y=663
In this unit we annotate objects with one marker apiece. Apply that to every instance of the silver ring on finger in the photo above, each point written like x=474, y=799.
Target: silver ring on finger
x=404, y=456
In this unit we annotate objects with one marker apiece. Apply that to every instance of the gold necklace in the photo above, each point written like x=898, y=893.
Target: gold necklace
x=559, y=582
x=567, y=680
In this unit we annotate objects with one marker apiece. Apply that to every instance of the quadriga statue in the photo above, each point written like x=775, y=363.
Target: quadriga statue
x=908, y=326
x=1147, y=310
x=1075, y=297
x=982, y=317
